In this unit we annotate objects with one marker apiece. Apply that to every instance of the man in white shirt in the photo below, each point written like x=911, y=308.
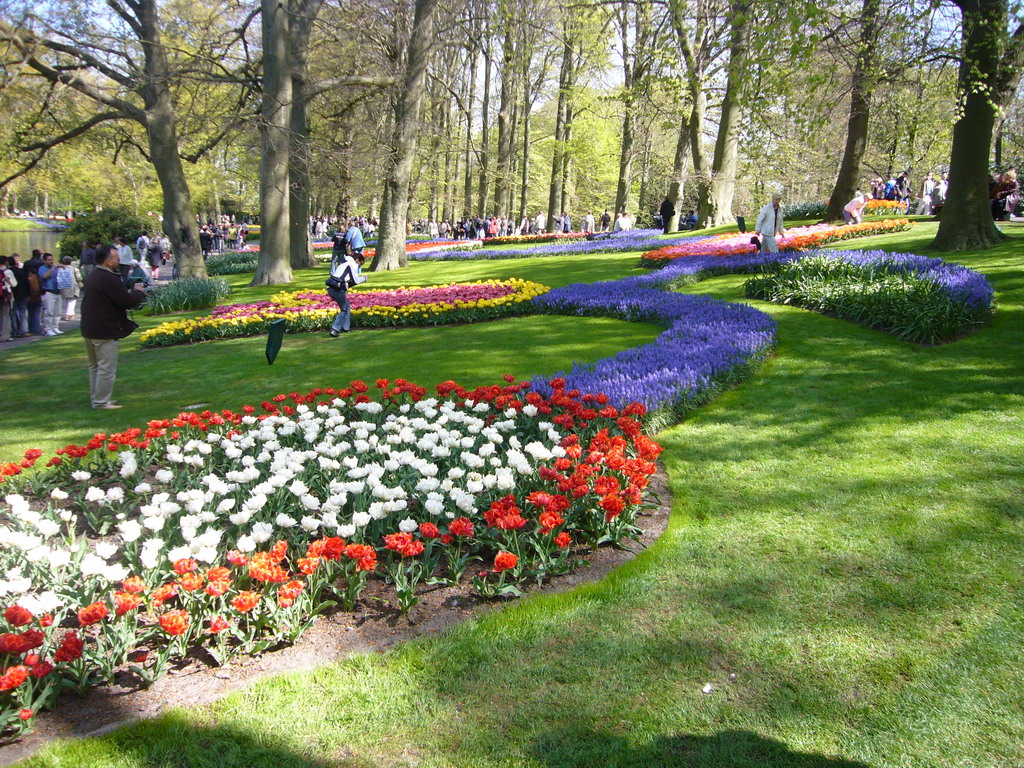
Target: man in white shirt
x=142, y=246
x=542, y=222
x=924, y=205
x=770, y=224
x=622, y=223
x=125, y=257
x=853, y=211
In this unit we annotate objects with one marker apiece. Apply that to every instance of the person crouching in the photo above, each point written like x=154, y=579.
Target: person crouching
x=345, y=273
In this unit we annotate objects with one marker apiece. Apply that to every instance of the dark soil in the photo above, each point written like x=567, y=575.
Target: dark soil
x=376, y=625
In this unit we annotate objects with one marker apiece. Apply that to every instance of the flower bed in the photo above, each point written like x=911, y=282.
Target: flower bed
x=543, y=237
x=707, y=345
x=620, y=242
x=915, y=298
x=876, y=207
x=307, y=311
x=425, y=250
x=799, y=239
x=233, y=531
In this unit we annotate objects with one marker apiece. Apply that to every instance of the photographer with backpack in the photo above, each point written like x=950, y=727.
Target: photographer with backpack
x=346, y=272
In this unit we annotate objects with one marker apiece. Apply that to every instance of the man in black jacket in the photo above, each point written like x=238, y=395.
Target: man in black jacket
x=104, y=323
x=667, y=211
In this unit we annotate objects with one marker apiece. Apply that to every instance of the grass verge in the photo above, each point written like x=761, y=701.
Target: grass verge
x=843, y=566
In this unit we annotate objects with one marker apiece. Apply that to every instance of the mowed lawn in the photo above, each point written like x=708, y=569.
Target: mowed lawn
x=843, y=566
x=48, y=387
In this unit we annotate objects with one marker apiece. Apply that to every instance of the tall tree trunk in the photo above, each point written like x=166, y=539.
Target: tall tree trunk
x=300, y=243
x=723, y=181
x=701, y=171
x=502, y=184
x=678, y=182
x=467, y=205
x=563, y=205
x=643, y=201
x=451, y=168
x=966, y=221
x=274, y=265
x=161, y=131
x=860, y=109
x=485, y=128
x=524, y=191
x=561, y=117
x=391, y=241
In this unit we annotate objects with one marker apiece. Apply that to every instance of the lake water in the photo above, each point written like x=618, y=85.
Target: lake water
x=24, y=242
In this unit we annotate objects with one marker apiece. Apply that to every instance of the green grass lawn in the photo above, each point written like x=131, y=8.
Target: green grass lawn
x=844, y=565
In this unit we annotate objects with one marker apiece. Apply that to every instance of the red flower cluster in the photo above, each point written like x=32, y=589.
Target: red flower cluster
x=364, y=555
x=461, y=526
x=403, y=543
x=92, y=614
x=505, y=561
x=175, y=622
x=505, y=515
x=70, y=648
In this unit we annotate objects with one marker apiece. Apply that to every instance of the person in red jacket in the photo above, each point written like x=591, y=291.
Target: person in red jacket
x=104, y=323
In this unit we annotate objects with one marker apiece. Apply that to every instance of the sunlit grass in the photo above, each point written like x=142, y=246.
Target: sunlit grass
x=843, y=565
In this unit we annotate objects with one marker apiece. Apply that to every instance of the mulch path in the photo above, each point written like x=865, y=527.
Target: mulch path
x=331, y=638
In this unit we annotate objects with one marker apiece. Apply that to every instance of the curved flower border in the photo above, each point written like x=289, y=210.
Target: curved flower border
x=799, y=239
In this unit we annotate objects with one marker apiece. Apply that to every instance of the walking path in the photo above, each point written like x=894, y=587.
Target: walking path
x=69, y=327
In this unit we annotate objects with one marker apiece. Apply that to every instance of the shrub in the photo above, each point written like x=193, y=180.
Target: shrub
x=101, y=228
x=879, y=293
x=187, y=293
x=232, y=263
x=805, y=210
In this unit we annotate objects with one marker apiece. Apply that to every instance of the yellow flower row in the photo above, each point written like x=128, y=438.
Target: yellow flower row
x=310, y=319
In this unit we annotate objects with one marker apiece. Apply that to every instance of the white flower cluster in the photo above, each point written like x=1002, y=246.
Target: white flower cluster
x=330, y=470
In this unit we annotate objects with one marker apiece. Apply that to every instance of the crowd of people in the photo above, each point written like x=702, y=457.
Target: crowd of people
x=37, y=295
x=221, y=235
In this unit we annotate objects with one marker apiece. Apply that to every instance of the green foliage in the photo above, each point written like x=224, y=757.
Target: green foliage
x=806, y=210
x=877, y=296
x=232, y=263
x=101, y=228
x=187, y=293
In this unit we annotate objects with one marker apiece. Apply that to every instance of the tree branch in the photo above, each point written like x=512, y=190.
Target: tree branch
x=42, y=147
x=357, y=81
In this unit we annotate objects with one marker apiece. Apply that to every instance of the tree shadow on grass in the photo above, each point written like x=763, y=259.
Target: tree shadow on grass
x=584, y=748
x=175, y=741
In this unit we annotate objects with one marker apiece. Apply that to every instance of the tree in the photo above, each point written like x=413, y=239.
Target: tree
x=129, y=83
x=419, y=45
x=860, y=106
x=990, y=68
x=718, y=207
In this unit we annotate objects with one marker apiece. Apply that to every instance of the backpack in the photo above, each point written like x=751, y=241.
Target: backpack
x=5, y=288
x=64, y=278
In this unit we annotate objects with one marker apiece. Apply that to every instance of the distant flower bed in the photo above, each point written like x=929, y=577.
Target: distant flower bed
x=915, y=298
x=798, y=239
x=306, y=311
x=620, y=242
x=885, y=208
x=426, y=249
x=232, y=532
x=543, y=237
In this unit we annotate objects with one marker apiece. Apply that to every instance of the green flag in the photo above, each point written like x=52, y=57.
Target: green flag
x=275, y=337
